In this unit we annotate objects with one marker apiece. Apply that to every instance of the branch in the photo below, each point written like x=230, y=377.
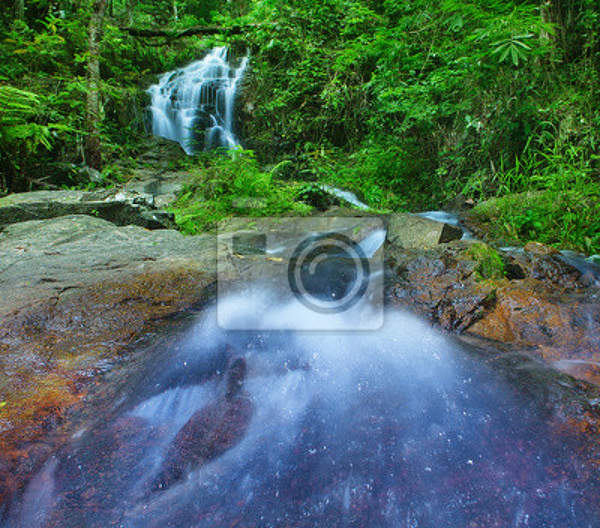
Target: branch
x=195, y=30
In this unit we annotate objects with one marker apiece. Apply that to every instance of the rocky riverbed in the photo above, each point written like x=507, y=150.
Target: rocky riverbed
x=88, y=279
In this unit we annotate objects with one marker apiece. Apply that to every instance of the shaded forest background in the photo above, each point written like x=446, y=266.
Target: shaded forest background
x=412, y=105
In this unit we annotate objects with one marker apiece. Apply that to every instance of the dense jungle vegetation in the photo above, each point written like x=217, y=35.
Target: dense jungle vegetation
x=411, y=104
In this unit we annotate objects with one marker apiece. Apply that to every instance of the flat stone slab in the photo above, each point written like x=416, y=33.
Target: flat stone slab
x=117, y=206
x=41, y=258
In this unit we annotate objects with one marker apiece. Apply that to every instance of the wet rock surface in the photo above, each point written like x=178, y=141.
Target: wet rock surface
x=541, y=306
x=117, y=449
x=466, y=439
x=117, y=206
x=210, y=431
x=77, y=292
x=80, y=291
x=440, y=285
x=544, y=263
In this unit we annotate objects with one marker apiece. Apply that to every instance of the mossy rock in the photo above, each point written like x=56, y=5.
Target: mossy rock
x=489, y=262
x=494, y=208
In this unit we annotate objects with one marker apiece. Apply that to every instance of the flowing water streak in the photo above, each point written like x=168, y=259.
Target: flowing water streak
x=447, y=218
x=398, y=427
x=587, y=266
x=199, y=96
x=371, y=429
x=346, y=196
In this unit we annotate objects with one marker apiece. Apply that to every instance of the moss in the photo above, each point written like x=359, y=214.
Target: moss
x=489, y=263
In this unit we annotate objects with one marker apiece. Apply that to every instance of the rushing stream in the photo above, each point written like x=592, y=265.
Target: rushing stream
x=399, y=427
x=198, y=100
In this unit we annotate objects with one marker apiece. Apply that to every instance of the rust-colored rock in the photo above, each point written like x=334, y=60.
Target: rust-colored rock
x=545, y=309
x=441, y=285
x=560, y=328
x=52, y=352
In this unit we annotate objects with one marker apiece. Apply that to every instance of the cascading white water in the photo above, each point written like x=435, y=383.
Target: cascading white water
x=199, y=97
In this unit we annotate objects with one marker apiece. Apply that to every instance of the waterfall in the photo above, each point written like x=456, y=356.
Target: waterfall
x=199, y=97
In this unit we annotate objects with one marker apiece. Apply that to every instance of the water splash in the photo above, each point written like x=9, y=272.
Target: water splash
x=346, y=196
x=199, y=97
x=398, y=427
x=589, y=267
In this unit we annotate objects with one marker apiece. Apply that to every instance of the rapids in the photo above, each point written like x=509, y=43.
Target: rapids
x=399, y=427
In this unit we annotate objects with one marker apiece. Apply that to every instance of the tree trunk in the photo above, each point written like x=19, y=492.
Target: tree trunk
x=175, y=13
x=546, y=19
x=19, y=9
x=129, y=6
x=93, y=155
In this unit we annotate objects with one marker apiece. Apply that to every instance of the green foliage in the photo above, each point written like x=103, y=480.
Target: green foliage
x=408, y=104
x=23, y=129
x=18, y=109
x=568, y=219
x=233, y=184
x=513, y=48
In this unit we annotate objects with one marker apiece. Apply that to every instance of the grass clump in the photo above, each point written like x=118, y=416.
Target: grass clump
x=568, y=219
x=233, y=184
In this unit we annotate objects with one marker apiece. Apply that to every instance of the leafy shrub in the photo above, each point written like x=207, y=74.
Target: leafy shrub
x=23, y=130
x=231, y=184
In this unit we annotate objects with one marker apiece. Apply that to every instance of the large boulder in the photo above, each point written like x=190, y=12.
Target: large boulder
x=161, y=154
x=414, y=232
